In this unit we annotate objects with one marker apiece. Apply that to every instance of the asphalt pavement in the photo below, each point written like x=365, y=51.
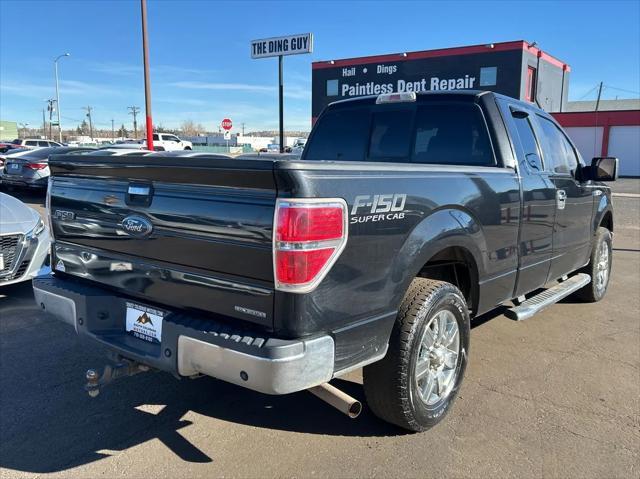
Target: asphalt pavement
x=557, y=395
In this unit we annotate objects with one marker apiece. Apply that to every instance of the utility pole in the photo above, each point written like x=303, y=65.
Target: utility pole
x=242, y=129
x=147, y=79
x=44, y=125
x=599, y=95
x=281, y=102
x=55, y=63
x=134, y=110
x=113, y=136
x=88, y=108
x=50, y=107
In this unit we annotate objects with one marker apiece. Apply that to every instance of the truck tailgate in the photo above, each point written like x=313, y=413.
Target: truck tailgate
x=190, y=232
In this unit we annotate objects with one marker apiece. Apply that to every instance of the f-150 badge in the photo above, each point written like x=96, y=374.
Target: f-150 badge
x=373, y=208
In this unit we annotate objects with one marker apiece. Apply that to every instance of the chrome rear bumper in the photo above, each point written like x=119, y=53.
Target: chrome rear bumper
x=191, y=345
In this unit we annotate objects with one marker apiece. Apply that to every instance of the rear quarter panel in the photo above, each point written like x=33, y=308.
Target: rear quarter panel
x=475, y=208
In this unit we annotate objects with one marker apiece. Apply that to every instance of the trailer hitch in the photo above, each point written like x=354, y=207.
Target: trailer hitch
x=122, y=369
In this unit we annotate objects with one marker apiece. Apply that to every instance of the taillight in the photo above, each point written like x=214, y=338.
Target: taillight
x=309, y=236
x=36, y=166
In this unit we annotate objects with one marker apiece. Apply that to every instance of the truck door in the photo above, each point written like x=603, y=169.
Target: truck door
x=574, y=201
x=537, y=212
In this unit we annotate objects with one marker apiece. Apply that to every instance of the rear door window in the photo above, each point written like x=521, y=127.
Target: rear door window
x=452, y=134
x=43, y=143
x=341, y=135
x=529, y=144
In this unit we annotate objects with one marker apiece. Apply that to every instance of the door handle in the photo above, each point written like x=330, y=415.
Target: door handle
x=561, y=199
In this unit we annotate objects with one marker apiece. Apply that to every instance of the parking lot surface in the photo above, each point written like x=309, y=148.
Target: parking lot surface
x=557, y=395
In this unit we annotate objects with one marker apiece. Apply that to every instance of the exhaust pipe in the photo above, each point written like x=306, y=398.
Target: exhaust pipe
x=338, y=399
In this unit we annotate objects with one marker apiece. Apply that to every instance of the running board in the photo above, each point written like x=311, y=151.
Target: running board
x=540, y=301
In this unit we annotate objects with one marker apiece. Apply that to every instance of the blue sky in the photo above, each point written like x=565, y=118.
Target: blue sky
x=202, y=70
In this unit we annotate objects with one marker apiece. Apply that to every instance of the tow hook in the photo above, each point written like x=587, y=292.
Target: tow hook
x=123, y=369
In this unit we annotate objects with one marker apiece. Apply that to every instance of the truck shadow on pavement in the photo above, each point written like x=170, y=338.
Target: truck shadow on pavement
x=48, y=423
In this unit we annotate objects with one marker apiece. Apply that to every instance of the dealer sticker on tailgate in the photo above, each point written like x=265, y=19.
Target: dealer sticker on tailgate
x=144, y=322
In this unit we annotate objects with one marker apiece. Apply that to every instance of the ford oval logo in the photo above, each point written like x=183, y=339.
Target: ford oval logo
x=137, y=226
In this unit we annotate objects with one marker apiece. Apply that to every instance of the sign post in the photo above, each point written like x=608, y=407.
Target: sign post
x=227, y=124
x=279, y=47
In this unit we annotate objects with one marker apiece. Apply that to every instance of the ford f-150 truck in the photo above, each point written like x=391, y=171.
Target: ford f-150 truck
x=406, y=216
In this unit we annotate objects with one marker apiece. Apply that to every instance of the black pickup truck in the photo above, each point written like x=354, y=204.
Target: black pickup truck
x=406, y=216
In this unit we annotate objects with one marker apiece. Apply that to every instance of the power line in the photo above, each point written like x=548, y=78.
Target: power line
x=623, y=89
x=589, y=92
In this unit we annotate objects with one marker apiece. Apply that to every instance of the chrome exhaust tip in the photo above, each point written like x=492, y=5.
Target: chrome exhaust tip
x=338, y=399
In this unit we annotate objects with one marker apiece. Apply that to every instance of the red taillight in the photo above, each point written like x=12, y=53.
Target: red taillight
x=36, y=166
x=304, y=223
x=309, y=236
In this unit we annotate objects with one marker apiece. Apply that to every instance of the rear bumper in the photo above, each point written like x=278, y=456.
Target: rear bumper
x=191, y=345
x=15, y=180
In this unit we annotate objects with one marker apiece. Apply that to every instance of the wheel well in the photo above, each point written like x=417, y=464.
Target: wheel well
x=607, y=221
x=455, y=265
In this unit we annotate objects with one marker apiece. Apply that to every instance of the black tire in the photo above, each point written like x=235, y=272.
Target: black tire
x=596, y=289
x=187, y=148
x=390, y=385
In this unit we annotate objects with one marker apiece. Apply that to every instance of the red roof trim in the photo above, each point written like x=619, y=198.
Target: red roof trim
x=442, y=52
x=598, y=118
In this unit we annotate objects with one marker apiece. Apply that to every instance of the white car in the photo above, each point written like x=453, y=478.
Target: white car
x=24, y=241
x=169, y=142
x=34, y=143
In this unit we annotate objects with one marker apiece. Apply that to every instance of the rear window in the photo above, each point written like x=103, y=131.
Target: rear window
x=451, y=134
x=431, y=133
x=390, y=134
x=341, y=134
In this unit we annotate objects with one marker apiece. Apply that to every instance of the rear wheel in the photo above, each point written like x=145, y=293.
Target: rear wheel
x=599, y=268
x=416, y=383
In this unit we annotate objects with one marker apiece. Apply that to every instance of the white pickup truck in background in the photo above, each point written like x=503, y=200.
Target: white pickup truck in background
x=169, y=142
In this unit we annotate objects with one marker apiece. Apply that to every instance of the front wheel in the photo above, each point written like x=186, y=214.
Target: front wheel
x=416, y=383
x=599, y=268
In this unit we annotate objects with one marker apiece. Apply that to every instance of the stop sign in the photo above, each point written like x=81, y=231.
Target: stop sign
x=227, y=124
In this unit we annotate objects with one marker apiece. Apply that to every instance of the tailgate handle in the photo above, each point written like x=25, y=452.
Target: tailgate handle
x=139, y=195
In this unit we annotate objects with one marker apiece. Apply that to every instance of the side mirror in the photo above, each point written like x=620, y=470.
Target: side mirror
x=604, y=169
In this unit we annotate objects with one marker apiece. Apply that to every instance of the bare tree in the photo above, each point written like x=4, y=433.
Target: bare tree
x=190, y=128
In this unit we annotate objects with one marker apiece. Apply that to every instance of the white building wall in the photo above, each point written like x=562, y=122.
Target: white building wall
x=624, y=144
x=588, y=140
